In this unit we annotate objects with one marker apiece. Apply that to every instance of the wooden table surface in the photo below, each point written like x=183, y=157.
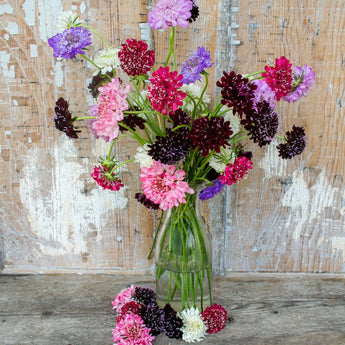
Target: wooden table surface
x=74, y=309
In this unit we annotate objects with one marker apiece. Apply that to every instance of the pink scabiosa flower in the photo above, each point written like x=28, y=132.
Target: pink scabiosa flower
x=263, y=93
x=279, y=77
x=123, y=297
x=236, y=171
x=164, y=185
x=132, y=331
x=105, y=178
x=108, y=110
x=135, y=57
x=214, y=317
x=170, y=13
x=131, y=307
x=163, y=91
x=303, y=80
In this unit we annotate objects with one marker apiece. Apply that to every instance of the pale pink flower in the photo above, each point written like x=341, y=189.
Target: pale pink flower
x=164, y=185
x=123, y=297
x=108, y=110
x=131, y=330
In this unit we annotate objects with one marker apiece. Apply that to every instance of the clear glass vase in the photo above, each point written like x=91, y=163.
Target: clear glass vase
x=183, y=258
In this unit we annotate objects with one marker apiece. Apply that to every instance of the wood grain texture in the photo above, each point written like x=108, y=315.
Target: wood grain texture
x=286, y=217
x=76, y=309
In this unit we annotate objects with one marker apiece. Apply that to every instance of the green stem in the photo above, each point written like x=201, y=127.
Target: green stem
x=97, y=34
x=89, y=60
x=120, y=164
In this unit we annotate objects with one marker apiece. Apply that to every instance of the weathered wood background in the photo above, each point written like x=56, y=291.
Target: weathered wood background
x=286, y=217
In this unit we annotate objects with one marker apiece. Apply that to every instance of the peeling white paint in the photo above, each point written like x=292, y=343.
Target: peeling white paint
x=61, y=217
x=82, y=7
x=271, y=163
x=29, y=10
x=6, y=37
x=12, y=28
x=33, y=51
x=48, y=13
x=6, y=8
x=7, y=71
x=338, y=243
x=58, y=74
x=145, y=33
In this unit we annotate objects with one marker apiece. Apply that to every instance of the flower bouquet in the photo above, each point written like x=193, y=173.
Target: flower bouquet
x=189, y=148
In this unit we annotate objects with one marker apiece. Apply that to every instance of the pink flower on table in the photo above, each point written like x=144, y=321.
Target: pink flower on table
x=131, y=330
x=123, y=297
x=236, y=171
x=164, y=185
x=108, y=110
x=163, y=92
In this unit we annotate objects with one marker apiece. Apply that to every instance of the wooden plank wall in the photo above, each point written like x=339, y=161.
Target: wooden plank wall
x=286, y=217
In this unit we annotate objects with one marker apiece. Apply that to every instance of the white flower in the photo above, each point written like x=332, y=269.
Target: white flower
x=235, y=121
x=194, y=90
x=194, y=328
x=107, y=60
x=142, y=157
x=219, y=161
x=68, y=19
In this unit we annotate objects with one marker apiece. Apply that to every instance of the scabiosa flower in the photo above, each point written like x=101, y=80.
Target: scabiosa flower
x=237, y=92
x=142, y=157
x=68, y=19
x=132, y=331
x=279, y=77
x=172, y=323
x=109, y=110
x=194, y=90
x=236, y=171
x=103, y=176
x=194, y=328
x=211, y=191
x=107, y=60
x=303, y=80
x=195, y=64
x=210, y=134
x=144, y=295
x=170, y=13
x=132, y=121
x=97, y=81
x=262, y=125
x=153, y=318
x=263, y=93
x=70, y=42
x=163, y=90
x=131, y=307
x=135, y=57
x=146, y=202
x=63, y=119
x=164, y=185
x=124, y=296
x=214, y=317
x=180, y=117
x=295, y=143
x=194, y=13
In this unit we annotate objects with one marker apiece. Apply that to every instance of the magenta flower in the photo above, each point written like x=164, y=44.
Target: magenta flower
x=303, y=80
x=109, y=110
x=163, y=91
x=164, y=185
x=236, y=171
x=170, y=13
x=131, y=330
x=70, y=42
x=123, y=297
x=214, y=317
x=102, y=175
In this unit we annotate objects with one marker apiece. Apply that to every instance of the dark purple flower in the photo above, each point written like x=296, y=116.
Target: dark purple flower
x=211, y=191
x=295, y=143
x=70, y=42
x=172, y=323
x=237, y=92
x=132, y=121
x=194, y=13
x=195, y=64
x=63, y=119
x=141, y=197
x=98, y=81
x=153, y=318
x=144, y=295
x=180, y=117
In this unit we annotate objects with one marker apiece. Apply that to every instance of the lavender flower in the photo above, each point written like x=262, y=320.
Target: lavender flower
x=70, y=42
x=170, y=13
x=211, y=191
x=195, y=64
x=295, y=143
x=263, y=93
x=303, y=79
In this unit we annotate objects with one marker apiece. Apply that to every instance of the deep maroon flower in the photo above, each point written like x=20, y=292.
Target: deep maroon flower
x=106, y=179
x=295, y=143
x=153, y=318
x=237, y=92
x=194, y=13
x=279, y=77
x=97, y=81
x=209, y=134
x=214, y=317
x=163, y=91
x=236, y=171
x=211, y=191
x=145, y=296
x=180, y=117
x=63, y=119
x=141, y=197
x=70, y=42
x=132, y=121
x=262, y=124
x=172, y=323
x=136, y=58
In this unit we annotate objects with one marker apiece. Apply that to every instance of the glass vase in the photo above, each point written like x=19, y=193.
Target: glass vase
x=183, y=258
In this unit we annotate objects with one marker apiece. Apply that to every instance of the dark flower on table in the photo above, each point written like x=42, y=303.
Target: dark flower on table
x=172, y=323
x=136, y=58
x=153, y=318
x=236, y=171
x=105, y=178
x=196, y=64
x=194, y=13
x=209, y=134
x=262, y=124
x=144, y=295
x=214, y=317
x=141, y=197
x=63, y=119
x=279, y=77
x=70, y=42
x=211, y=191
x=295, y=143
x=163, y=91
x=97, y=81
x=237, y=92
